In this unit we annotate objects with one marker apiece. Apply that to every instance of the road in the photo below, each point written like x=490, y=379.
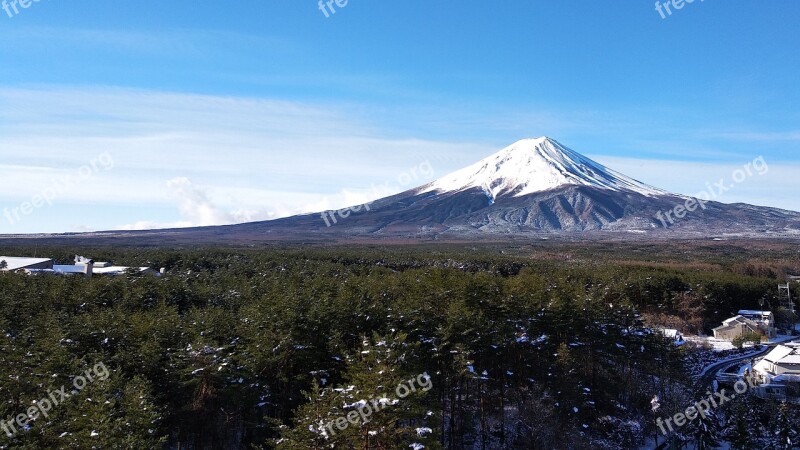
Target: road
x=712, y=370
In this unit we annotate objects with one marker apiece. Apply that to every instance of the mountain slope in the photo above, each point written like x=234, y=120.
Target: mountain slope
x=541, y=186
x=533, y=187
x=535, y=165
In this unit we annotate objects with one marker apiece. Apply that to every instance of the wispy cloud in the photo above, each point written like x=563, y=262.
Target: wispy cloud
x=187, y=159
x=213, y=160
x=792, y=136
x=775, y=188
x=175, y=42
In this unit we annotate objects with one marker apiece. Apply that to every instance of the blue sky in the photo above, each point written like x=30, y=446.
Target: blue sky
x=212, y=112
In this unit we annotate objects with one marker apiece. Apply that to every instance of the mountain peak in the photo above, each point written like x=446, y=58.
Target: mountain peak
x=535, y=165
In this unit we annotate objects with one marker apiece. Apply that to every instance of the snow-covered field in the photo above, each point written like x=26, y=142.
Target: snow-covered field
x=711, y=343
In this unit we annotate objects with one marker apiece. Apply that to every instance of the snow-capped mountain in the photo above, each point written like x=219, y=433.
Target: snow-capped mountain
x=540, y=186
x=530, y=188
x=535, y=165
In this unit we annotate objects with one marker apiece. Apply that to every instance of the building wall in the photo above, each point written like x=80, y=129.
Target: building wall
x=728, y=333
x=768, y=331
x=43, y=265
x=781, y=369
x=26, y=263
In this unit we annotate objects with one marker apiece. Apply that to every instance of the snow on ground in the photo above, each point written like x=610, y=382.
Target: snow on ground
x=711, y=351
x=717, y=345
x=781, y=338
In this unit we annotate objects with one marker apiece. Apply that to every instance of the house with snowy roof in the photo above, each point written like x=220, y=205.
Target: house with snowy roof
x=88, y=268
x=783, y=359
x=13, y=263
x=780, y=373
x=747, y=322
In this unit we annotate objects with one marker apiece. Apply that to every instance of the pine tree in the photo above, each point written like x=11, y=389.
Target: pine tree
x=739, y=434
x=136, y=419
x=704, y=431
x=381, y=404
x=108, y=413
x=784, y=430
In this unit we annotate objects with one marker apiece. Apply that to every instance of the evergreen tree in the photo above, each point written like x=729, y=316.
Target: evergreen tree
x=739, y=434
x=381, y=404
x=785, y=428
x=705, y=431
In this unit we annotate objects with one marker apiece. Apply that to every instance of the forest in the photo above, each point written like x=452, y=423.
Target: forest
x=449, y=346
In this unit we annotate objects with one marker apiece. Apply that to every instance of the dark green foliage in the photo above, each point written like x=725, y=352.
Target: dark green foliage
x=739, y=341
x=705, y=430
x=246, y=348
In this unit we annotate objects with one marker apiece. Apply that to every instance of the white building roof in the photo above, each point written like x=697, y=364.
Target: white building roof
x=791, y=359
x=762, y=366
x=15, y=263
x=750, y=312
x=737, y=319
x=109, y=270
x=778, y=353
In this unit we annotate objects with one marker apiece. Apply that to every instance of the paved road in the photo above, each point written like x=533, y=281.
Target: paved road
x=712, y=371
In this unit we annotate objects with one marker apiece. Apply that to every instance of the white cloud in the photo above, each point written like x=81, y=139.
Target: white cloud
x=194, y=205
x=776, y=188
x=252, y=159
x=757, y=136
x=247, y=159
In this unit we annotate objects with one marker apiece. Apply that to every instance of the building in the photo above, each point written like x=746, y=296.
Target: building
x=757, y=315
x=747, y=322
x=780, y=373
x=13, y=263
x=88, y=268
x=673, y=335
x=783, y=359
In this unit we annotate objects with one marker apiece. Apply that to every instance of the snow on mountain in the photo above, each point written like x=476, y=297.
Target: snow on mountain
x=534, y=186
x=535, y=165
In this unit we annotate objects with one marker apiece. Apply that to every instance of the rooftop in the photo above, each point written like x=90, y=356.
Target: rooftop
x=15, y=263
x=751, y=312
x=737, y=319
x=791, y=359
x=778, y=353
